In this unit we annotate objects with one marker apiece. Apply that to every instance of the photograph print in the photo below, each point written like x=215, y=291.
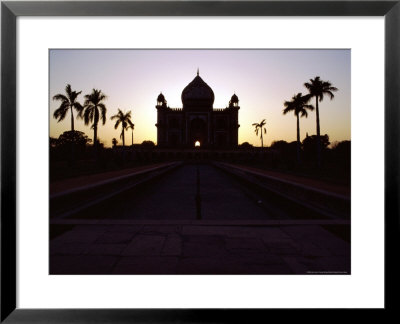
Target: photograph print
x=200, y=161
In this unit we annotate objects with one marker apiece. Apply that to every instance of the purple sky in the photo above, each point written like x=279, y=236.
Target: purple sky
x=262, y=79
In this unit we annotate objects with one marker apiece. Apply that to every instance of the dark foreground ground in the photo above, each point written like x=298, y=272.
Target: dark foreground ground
x=156, y=230
x=196, y=249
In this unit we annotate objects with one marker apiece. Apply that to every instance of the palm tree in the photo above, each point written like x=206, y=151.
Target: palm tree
x=299, y=106
x=318, y=88
x=125, y=121
x=260, y=127
x=93, y=110
x=132, y=127
x=68, y=102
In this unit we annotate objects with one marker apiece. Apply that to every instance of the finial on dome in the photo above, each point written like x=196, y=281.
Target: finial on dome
x=197, y=71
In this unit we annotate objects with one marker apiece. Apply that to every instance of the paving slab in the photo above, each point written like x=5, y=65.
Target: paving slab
x=296, y=264
x=253, y=257
x=310, y=249
x=105, y=249
x=172, y=245
x=82, y=264
x=283, y=248
x=147, y=245
x=146, y=265
x=317, y=236
x=268, y=232
x=87, y=227
x=262, y=269
x=79, y=236
x=203, y=246
x=160, y=229
x=328, y=265
x=62, y=248
x=247, y=243
x=232, y=265
x=272, y=235
x=124, y=228
x=116, y=237
x=205, y=265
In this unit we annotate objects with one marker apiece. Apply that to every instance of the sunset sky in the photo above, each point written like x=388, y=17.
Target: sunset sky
x=262, y=79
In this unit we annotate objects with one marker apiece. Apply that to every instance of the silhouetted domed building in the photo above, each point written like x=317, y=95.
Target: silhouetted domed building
x=197, y=123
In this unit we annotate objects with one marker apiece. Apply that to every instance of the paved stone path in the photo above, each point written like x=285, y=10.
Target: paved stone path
x=198, y=249
x=301, y=180
x=173, y=198
x=154, y=231
x=60, y=186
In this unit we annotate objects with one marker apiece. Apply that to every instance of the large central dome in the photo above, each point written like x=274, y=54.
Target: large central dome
x=197, y=93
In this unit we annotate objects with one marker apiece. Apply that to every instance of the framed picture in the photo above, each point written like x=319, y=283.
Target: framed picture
x=171, y=179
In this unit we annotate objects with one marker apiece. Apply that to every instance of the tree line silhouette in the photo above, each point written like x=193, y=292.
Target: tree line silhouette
x=299, y=105
x=301, y=156
x=92, y=111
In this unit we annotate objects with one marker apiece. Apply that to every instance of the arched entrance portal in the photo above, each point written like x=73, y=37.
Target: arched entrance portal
x=198, y=132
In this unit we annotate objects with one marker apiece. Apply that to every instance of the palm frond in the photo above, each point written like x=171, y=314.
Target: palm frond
x=61, y=112
x=61, y=97
x=88, y=114
x=304, y=113
x=308, y=85
x=78, y=107
x=287, y=110
x=68, y=90
x=331, y=95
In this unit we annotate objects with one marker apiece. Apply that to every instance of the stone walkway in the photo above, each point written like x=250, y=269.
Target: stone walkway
x=299, y=180
x=197, y=249
x=64, y=185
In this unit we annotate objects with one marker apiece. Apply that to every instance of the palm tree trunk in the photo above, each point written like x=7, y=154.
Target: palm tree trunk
x=318, y=134
x=298, y=139
x=72, y=144
x=72, y=119
x=262, y=142
x=95, y=135
x=123, y=137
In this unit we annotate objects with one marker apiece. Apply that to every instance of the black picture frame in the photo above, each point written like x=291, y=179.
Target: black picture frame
x=10, y=10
